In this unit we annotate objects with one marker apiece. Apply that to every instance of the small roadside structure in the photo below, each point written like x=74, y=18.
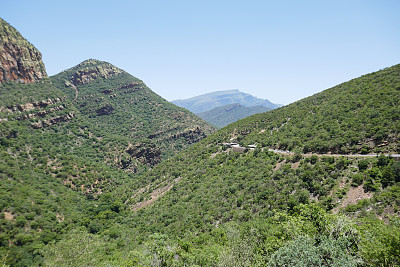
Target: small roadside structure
x=236, y=147
x=251, y=147
x=239, y=149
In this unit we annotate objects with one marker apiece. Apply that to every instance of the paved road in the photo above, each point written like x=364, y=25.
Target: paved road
x=335, y=155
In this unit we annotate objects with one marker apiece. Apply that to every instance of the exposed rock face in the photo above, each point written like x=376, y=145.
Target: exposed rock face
x=92, y=69
x=145, y=153
x=106, y=110
x=191, y=136
x=51, y=121
x=19, y=60
x=32, y=106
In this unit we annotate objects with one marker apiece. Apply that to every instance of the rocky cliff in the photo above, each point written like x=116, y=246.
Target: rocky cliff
x=92, y=69
x=19, y=60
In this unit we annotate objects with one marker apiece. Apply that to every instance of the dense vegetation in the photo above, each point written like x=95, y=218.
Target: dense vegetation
x=222, y=116
x=60, y=157
x=208, y=205
x=232, y=214
x=50, y=177
x=122, y=107
x=358, y=116
x=82, y=182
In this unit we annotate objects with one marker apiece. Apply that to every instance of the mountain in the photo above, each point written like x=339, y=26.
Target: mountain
x=222, y=116
x=222, y=202
x=117, y=104
x=358, y=116
x=206, y=102
x=19, y=59
x=66, y=142
x=97, y=170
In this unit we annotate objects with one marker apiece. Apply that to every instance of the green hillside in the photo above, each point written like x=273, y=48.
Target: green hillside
x=98, y=170
x=122, y=107
x=358, y=116
x=59, y=161
x=222, y=116
x=67, y=141
x=212, y=206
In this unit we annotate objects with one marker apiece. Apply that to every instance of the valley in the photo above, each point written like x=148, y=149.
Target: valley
x=96, y=169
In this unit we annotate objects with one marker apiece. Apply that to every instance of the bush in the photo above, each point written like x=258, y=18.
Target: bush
x=357, y=179
x=380, y=244
x=363, y=164
x=313, y=159
x=305, y=251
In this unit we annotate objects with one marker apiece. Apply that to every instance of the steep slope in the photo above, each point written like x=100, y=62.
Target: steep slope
x=206, y=102
x=222, y=116
x=51, y=171
x=19, y=59
x=117, y=104
x=69, y=197
x=358, y=116
x=62, y=153
x=362, y=113
x=214, y=192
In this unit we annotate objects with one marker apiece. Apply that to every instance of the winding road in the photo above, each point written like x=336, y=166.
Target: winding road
x=335, y=155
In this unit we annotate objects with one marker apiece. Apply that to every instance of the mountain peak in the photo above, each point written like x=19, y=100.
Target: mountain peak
x=206, y=102
x=92, y=69
x=19, y=60
x=90, y=61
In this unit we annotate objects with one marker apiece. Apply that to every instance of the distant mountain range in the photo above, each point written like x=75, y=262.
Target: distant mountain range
x=98, y=170
x=221, y=108
x=206, y=102
x=222, y=116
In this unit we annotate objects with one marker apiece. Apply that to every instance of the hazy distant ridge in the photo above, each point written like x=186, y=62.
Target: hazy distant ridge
x=209, y=101
x=222, y=116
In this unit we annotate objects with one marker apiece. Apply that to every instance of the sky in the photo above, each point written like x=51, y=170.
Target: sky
x=282, y=50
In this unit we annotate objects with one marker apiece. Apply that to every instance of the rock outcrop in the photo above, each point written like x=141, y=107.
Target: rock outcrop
x=20, y=61
x=106, y=110
x=32, y=105
x=93, y=69
x=145, y=153
x=191, y=136
x=54, y=120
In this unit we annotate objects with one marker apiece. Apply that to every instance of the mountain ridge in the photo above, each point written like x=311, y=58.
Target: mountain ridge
x=208, y=101
x=19, y=59
x=224, y=115
x=67, y=141
x=132, y=180
x=252, y=205
x=121, y=104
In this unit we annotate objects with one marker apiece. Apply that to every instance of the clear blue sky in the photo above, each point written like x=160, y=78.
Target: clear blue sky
x=279, y=50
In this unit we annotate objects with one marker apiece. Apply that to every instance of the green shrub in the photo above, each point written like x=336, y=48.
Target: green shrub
x=357, y=179
x=363, y=164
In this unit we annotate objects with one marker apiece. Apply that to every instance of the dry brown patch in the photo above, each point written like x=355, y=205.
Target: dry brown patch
x=234, y=135
x=155, y=195
x=8, y=216
x=214, y=154
x=279, y=165
x=354, y=195
x=140, y=191
x=60, y=217
x=295, y=165
x=388, y=211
